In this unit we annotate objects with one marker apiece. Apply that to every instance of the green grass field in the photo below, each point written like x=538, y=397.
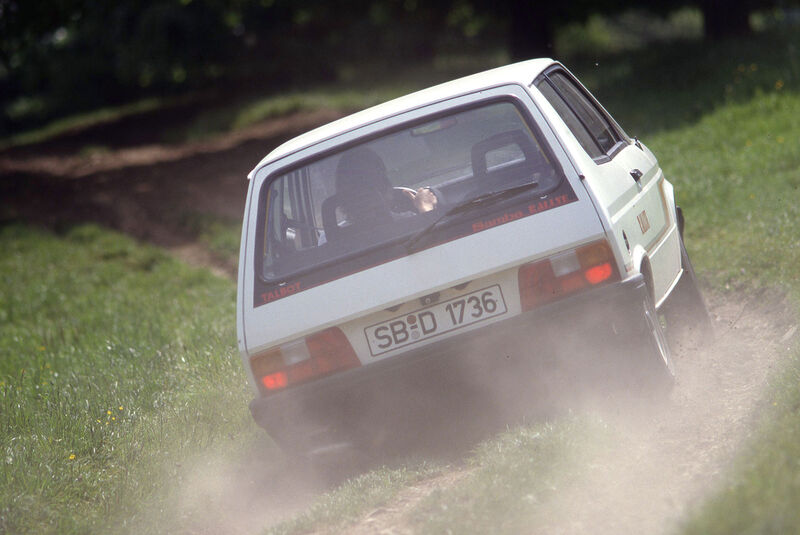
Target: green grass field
x=118, y=364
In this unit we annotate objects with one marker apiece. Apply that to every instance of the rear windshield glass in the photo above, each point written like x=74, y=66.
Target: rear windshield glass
x=362, y=198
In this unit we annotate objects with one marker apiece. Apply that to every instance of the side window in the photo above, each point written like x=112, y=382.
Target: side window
x=585, y=111
x=291, y=225
x=571, y=120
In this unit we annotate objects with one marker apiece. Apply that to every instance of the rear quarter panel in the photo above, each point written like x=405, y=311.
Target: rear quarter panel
x=644, y=212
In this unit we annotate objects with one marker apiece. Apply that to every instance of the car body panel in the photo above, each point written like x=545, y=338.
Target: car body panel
x=634, y=215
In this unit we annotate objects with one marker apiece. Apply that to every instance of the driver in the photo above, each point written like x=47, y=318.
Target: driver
x=360, y=171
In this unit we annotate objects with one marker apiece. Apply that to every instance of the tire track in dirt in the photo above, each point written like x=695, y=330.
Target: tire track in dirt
x=667, y=457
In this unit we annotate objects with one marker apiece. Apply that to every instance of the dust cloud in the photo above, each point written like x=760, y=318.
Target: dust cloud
x=240, y=493
x=668, y=453
x=668, y=456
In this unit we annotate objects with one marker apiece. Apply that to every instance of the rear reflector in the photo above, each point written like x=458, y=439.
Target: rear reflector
x=566, y=273
x=320, y=354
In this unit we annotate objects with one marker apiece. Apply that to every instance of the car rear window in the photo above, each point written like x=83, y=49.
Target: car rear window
x=355, y=200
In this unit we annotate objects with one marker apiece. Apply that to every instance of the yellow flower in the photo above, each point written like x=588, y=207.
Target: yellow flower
x=120, y=407
x=753, y=67
x=779, y=85
x=41, y=348
x=780, y=139
x=114, y=418
x=108, y=412
x=71, y=456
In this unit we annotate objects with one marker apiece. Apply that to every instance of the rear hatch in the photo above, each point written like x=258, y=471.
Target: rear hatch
x=348, y=271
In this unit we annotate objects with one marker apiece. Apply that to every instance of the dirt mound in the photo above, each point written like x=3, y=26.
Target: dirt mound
x=145, y=191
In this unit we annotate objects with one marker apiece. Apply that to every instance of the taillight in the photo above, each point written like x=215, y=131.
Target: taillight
x=317, y=355
x=565, y=273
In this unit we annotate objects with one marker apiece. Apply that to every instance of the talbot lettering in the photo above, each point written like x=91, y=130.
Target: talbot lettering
x=278, y=293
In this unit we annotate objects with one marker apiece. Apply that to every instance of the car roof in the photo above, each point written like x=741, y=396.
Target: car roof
x=522, y=73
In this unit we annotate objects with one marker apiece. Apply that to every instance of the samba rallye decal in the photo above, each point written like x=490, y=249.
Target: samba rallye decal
x=533, y=208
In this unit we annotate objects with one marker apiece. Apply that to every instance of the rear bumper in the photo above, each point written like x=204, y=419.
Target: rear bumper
x=495, y=360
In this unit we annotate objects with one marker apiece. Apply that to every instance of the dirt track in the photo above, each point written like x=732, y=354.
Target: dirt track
x=666, y=458
x=145, y=191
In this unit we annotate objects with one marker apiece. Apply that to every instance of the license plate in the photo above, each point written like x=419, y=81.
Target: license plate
x=435, y=320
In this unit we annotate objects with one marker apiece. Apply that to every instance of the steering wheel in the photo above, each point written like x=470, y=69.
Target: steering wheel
x=402, y=199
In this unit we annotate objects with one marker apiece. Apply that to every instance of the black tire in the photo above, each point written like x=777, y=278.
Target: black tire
x=688, y=320
x=642, y=368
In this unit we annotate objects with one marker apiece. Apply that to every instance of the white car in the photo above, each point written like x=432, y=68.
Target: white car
x=380, y=249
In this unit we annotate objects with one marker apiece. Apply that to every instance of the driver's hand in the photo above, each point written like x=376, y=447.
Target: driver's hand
x=425, y=200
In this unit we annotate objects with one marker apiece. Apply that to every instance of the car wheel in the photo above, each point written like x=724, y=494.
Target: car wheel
x=659, y=360
x=643, y=355
x=688, y=320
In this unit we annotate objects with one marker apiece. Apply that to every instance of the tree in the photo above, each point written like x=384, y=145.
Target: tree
x=723, y=18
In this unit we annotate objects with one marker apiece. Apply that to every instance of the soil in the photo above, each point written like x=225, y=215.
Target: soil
x=666, y=457
x=146, y=191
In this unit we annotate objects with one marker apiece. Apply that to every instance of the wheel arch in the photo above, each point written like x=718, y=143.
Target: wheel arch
x=641, y=263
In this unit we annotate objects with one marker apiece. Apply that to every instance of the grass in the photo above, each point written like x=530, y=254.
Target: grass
x=116, y=364
x=507, y=477
x=512, y=474
x=220, y=235
x=350, y=94
x=740, y=181
x=80, y=121
x=242, y=114
x=763, y=492
x=736, y=175
x=343, y=506
x=668, y=86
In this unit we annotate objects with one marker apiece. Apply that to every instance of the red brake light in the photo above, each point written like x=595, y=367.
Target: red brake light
x=275, y=381
x=597, y=274
x=566, y=273
x=318, y=355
